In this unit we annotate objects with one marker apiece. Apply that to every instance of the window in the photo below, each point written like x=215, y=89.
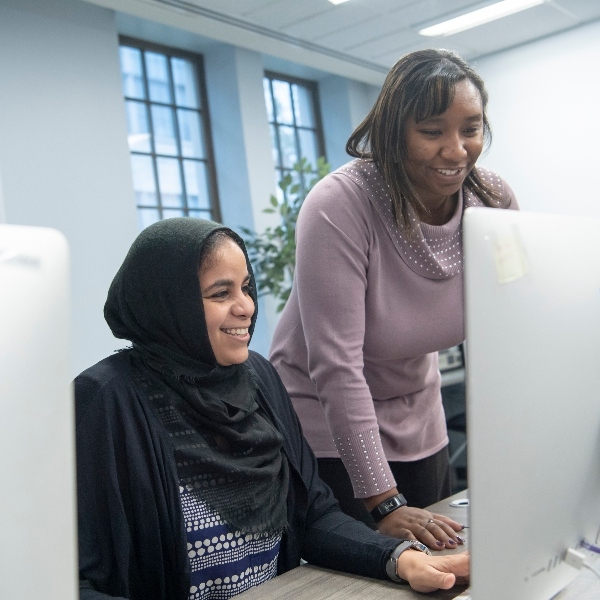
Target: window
x=294, y=121
x=169, y=141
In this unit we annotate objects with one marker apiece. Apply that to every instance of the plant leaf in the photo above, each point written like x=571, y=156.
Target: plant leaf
x=273, y=252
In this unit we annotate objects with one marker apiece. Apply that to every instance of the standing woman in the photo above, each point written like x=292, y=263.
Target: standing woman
x=378, y=291
x=194, y=481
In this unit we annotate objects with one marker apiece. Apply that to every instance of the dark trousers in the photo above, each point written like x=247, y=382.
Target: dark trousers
x=423, y=482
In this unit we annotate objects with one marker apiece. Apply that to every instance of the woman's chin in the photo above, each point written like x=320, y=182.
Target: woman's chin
x=233, y=358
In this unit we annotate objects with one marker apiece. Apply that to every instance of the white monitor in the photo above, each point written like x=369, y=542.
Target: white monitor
x=37, y=471
x=532, y=297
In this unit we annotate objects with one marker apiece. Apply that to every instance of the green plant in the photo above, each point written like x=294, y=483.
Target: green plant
x=273, y=252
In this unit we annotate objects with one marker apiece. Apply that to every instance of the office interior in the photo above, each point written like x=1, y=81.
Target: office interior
x=64, y=157
x=65, y=161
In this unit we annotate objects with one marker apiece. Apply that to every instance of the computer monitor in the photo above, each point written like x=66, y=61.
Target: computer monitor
x=532, y=300
x=37, y=471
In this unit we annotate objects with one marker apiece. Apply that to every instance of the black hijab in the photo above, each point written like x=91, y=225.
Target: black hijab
x=227, y=451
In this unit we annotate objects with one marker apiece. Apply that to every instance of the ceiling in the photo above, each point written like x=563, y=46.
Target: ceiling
x=360, y=38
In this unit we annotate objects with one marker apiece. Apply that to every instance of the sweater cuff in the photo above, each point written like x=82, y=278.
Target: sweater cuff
x=364, y=459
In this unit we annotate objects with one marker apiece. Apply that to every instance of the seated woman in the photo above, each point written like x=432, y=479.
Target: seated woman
x=194, y=480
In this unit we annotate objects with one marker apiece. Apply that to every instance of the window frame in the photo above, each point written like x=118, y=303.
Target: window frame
x=209, y=159
x=313, y=88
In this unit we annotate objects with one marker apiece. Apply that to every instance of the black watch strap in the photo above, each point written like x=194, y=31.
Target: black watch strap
x=387, y=506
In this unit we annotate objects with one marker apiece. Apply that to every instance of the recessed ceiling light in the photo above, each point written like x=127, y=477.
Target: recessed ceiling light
x=337, y=1
x=479, y=17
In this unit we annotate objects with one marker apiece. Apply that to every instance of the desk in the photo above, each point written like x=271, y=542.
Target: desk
x=315, y=583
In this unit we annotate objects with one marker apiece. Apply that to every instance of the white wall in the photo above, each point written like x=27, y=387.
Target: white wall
x=242, y=147
x=2, y=215
x=344, y=104
x=63, y=147
x=544, y=99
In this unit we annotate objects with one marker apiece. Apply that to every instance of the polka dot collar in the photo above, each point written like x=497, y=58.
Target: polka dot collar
x=436, y=250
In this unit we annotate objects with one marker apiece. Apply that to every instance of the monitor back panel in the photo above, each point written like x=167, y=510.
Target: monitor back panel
x=532, y=298
x=37, y=462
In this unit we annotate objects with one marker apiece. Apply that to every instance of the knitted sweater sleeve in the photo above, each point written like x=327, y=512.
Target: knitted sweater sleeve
x=334, y=237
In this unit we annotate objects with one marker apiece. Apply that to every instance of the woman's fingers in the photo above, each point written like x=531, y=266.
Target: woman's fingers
x=441, y=535
x=445, y=531
x=428, y=573
x=454, y=563
x=451, y=522
x=432, y=580
x=424, y=526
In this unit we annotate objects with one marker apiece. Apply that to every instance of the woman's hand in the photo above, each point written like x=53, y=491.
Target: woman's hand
x=435, y=531
x=427, y=573
x=407, y=522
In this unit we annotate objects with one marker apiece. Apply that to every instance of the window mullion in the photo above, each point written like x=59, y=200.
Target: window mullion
x=153, y=155
x=296, y=135
x=185, y=207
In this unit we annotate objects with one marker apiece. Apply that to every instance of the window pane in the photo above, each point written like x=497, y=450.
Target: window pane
x=283, y=102
x=158, y=77
x=297, y=179
x=147, y=216
x=287, y=140
x=268, y=99
x=131, y=72
x=308, y=146
x=303, y=106
x=137, y=126
x=274, y=147
x=169, y=213
x=169, y=182
x=295, y=130
x=196, y=184
x=143, y=180
x=190, y=134
x=184, y=83
x=163, y=124
x=201, y=214
x=279, y=175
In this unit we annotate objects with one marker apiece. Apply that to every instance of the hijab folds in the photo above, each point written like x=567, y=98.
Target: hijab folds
x=228, y=453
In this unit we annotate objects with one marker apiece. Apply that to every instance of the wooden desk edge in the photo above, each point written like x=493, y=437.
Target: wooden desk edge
x=309, y=582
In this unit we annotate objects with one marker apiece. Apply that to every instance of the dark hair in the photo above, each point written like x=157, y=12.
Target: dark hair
x=420, y=85
x=208, y=257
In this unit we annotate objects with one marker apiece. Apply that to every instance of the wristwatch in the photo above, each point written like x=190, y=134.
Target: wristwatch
x=390, y=565
x=387, y=506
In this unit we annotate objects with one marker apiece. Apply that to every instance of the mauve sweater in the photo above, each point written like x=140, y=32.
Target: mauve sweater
x=357, y=342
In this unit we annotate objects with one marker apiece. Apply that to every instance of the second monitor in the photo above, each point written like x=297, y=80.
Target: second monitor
x=533, y=397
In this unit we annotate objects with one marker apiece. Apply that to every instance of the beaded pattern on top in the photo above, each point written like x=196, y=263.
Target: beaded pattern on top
x=435, y=254
x=369, y=470
x=224, y=562
x=436, y=251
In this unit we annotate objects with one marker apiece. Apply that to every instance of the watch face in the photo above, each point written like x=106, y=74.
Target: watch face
x=419, y=546
x=390, y=504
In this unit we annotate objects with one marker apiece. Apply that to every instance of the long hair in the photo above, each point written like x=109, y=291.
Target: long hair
x=420, y=85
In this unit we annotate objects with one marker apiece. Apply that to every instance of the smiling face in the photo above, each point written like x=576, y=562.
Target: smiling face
x=442, y=149
x=228, y=307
